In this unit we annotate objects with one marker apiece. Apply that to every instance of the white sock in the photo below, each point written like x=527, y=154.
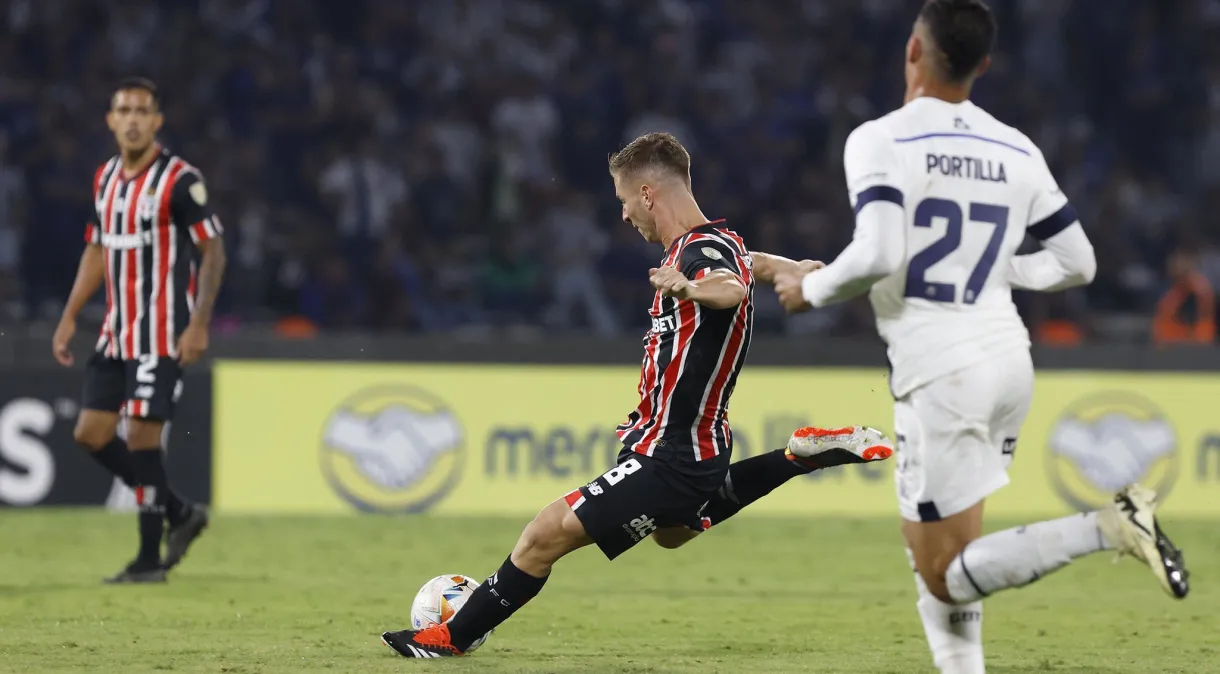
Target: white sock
x=1017, y=557
x=954, y=632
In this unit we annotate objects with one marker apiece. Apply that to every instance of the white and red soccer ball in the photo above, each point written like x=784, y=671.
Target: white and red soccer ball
x=439, y=599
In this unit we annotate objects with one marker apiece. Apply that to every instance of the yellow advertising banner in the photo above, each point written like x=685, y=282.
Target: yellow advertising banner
x=477, y=439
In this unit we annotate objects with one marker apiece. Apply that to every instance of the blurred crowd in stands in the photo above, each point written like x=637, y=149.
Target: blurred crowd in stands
x=438, y=165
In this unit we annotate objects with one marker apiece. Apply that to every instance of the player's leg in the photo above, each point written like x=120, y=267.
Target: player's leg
x=98, y=421
x=154, y=386
x=808, y=449
x=612, y=511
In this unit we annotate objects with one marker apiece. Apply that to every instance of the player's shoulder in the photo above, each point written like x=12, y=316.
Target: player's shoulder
x=103, y=172
x=985, y=123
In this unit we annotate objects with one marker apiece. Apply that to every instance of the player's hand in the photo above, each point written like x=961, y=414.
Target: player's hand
x=807, y=266
x=671, y=282
x=788, y=287
x=192, y=344
x=62, y=341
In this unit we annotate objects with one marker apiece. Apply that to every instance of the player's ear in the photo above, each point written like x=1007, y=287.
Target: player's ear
x=158, y=121
x=983, y=66
x=110, y=120
x=647, y=196
x=914, y=49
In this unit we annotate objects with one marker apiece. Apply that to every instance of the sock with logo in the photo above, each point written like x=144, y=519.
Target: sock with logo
x=115, y=458
x=1017, y=557
x=507, y=590
x=954, y=631
x=152, y=494
x=749, y=480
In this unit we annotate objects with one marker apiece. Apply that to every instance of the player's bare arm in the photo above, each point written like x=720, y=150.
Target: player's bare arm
x=720, y=289
x=194, y=340
x=767, y=266
x=89, y=277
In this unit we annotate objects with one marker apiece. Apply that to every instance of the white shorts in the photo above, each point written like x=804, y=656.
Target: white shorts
x=957, y=434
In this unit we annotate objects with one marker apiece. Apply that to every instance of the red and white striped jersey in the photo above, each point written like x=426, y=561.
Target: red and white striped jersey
x=692, y=356
x=147, y=225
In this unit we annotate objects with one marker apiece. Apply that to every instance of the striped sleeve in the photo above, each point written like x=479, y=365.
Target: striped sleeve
x=871, y=168
x=1050, y=212
x=93, y=235
x=703, y=254
x=190, y=209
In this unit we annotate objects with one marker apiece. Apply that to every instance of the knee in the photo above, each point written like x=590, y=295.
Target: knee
x=672, y=538
x=934, y=578
x=92, y=437
x=554, y=532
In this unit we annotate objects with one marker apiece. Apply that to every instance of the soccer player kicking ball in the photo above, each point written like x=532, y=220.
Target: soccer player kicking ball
x=944, y=195
x=673, y=479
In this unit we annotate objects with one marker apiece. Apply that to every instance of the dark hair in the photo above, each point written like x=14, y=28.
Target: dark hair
x=963, y=31
x=142, y=84
x=653, y=151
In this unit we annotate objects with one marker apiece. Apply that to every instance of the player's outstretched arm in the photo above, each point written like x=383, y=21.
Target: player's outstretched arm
x=768, y=265
x=1065, y=261
x=89, y=276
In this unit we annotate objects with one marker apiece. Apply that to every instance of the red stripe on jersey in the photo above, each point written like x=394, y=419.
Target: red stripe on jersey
x=688, y=314
x=649, y=377
x=716, y=400
x=164, y=283
x=112, y=347
x=131, y=318
x=714, y=397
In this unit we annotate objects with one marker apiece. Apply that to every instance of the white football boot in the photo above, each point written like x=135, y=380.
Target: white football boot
x=816, y=448
x=1130, y=525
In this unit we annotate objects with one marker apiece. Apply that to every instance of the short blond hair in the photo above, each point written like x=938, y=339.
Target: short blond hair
x=653, y=151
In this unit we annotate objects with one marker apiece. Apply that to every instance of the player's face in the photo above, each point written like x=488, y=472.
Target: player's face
x=636, y=199
x=134, y=119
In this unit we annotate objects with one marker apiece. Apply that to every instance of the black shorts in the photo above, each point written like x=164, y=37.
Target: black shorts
x=147, y=388
x=640, y=495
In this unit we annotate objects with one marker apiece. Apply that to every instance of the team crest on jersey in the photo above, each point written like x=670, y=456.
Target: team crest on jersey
x=712, y=253
x=199, y=193
x=146, y=207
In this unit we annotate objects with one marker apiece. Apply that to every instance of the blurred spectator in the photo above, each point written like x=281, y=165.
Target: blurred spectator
x=1187, y=312
x=441, y=165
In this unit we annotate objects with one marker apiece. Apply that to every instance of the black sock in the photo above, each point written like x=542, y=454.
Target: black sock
x=507, y=590
x=115, y=458
x=751, y=479
x=152, y=494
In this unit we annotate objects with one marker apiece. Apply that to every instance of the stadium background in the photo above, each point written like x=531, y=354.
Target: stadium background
x=423, y=241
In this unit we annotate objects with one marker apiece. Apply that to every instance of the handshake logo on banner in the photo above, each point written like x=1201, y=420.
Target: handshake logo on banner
x=392, y=449
x=1103, y=443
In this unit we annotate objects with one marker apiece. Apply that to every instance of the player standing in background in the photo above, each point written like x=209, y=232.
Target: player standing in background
x=152, y=221
x=673, y=478
x=944, y=195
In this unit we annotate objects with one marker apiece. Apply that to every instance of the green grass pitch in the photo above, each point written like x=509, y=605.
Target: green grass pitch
x=285, y=594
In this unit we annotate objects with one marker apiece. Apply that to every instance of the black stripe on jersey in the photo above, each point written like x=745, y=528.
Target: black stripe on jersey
x=1054, y=223
x=878, y=193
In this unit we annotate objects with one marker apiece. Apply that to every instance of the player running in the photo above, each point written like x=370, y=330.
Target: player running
x=673, y=479
x=944, y=194
x=153, y=221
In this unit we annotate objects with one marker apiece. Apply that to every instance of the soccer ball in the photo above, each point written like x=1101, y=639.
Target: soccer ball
x=439, y=599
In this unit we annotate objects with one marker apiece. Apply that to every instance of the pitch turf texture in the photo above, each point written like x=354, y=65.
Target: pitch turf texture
x=756, y=595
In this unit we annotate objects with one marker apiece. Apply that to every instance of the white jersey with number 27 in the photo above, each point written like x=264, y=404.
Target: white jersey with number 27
x=970, y=188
